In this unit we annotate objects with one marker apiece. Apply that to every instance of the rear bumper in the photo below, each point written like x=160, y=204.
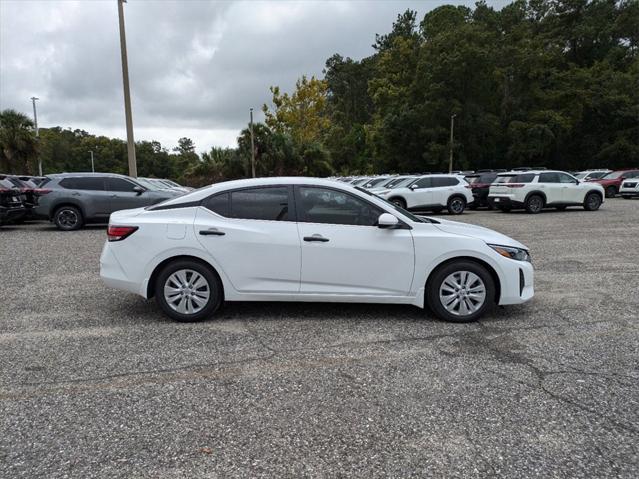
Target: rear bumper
x=8, y=214
x=505, y=202
x=113, y=275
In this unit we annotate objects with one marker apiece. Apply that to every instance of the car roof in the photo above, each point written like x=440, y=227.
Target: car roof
x=529, y=172
x=90, y=174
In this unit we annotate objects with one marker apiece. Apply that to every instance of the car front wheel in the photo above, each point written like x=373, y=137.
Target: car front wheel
x=68, y=218
x=188, y=291
x=460, y=291
x=399, y=202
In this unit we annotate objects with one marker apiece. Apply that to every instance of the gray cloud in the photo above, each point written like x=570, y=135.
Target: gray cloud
x=196, y=66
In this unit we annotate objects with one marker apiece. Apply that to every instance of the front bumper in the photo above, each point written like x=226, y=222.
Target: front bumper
x=518, y=285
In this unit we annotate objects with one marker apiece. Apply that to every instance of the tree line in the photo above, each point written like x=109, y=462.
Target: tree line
x=550, y=83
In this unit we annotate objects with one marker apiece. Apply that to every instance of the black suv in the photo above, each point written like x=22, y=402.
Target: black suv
x=11, y=207
x=480, y=186
x=79, y=198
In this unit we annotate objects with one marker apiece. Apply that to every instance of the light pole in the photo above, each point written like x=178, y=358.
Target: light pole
x=35, y=123
x=92, y=166
x=133, y=168
x=450, y=159
x=252, y=145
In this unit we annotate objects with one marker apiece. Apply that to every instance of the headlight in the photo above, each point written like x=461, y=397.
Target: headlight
x=518, y=254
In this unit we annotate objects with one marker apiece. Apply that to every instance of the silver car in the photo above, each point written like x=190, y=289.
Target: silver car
x=79, y=198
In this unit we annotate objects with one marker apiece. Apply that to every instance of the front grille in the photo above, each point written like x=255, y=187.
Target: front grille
x=629, y=185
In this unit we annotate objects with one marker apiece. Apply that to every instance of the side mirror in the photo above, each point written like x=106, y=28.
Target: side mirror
x=413, y=187
x=139, y=190
x=386, y=220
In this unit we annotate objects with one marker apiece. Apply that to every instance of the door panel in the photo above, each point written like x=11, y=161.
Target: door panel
x=354, y=256
x=122, y=196
x=420, y=196
x=257, y=255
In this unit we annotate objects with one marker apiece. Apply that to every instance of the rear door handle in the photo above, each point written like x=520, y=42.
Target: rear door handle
x=316, y=237
x=212, y=232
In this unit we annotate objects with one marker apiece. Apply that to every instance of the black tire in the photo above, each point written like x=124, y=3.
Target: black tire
x=68, y=218
x=437, y=279
x=216, y=292
x=456, y=205
x=611, y=192
x=399, y=202
x=592, y=202
x=534, y=204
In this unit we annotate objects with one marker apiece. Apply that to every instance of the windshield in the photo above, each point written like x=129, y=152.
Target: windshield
x=400, y=182
x=614, y=175
x=149, y=185
x=375, y=181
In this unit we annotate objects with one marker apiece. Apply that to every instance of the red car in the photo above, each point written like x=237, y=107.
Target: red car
x=612, y=181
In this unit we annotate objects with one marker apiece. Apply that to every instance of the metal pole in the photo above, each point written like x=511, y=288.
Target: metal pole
x=37, y=132
x=133, y=169
x=452, y=126
x=252, y=146
x=92, y=167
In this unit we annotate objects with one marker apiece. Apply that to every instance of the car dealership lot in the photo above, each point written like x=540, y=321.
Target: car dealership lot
x=98, y=383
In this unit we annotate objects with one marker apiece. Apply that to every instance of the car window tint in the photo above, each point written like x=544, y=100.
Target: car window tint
x=322, y=205
x=487, y=178
x=564, y=178
x=444, y=181
x=549, y=178
x=119, y=184
x=80, y=183
x=270, y=203
x=423, y=183
x=218, y=204
x=523, y=178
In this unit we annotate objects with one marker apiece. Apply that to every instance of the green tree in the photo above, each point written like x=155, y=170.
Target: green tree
x=18, y=144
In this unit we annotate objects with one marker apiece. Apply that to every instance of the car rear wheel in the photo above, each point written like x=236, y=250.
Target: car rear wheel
x=534, y=204
x=611, y=192
x=68, y=218
x=456, y=205
x=188, y=291
x=592, y=202
x=399, y=202
x=460, y=291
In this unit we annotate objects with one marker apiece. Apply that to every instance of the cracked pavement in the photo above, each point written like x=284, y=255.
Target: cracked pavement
x=98, y=383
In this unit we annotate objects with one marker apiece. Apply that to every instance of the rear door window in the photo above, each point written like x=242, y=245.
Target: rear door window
x=269, y=203
x=444, y=181
x=83, y=183
x=119, y=184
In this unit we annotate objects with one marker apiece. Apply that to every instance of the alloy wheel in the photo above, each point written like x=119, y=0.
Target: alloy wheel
x=593, y=201
x=68, y=218
x=462, y=293
x=186, y=291
x=457, y=205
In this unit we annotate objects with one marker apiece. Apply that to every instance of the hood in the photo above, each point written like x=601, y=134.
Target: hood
x=479, y=232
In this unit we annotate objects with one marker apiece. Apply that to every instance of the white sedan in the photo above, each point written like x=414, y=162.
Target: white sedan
x=306, y=239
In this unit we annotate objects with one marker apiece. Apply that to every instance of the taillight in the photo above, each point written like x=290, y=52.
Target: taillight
x=118, y=233
x=42, y=191
x=515, y=185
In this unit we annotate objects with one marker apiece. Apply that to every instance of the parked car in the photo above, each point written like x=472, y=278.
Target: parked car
x=375, y=181
x=395, y=182
x=629, y=188
x=79, y=198
x=30, y=193
x=480, y=186
x=307, y=239
x=588, y=175
x=432, y=193
x=536, y=190
x=11, y=207
x=611, y=182
x=159, y=184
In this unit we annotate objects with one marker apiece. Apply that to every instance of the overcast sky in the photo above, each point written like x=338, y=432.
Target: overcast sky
x=196, y=66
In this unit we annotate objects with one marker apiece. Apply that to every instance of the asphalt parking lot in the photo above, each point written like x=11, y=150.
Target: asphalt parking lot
x=98, y=383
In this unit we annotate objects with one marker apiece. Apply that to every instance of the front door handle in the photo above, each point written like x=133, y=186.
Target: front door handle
x=212, y=232
x=316, y=237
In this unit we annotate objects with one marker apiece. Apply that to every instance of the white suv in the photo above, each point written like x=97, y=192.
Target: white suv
x=432, y=193
x=535, y=190
x=629, y=188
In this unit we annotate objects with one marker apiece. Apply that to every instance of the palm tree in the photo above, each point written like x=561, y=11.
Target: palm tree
x=18, y=144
